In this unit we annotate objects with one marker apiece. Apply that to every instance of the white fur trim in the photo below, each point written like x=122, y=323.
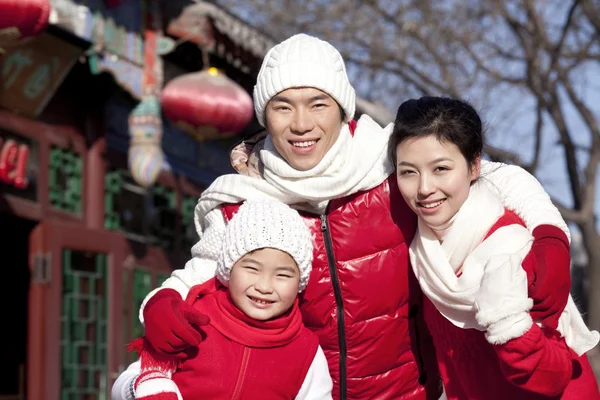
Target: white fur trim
x=509, y=328
x=503, y=311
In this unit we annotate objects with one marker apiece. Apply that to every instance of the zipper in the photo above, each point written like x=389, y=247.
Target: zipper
x=242, y=375
x=337, y=291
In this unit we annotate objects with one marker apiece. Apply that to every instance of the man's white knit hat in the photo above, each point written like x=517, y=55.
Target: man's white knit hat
x=303, y=61
x=264, y=223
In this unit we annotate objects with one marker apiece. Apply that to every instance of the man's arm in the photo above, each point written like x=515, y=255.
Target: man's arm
x=523, y=194
x=203, y=264
x=317, y=384
x=123, y=387
x=549, y=278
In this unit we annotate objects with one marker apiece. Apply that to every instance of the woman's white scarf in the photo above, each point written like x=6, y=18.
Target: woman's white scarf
x=436, y=264
x=354, y=163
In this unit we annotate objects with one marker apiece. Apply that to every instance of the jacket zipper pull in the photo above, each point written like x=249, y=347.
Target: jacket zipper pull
x=323, y=223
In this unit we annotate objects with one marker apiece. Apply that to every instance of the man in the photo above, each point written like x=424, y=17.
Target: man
x=362, y=300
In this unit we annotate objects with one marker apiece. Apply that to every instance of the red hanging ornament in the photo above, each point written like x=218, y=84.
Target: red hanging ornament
x=20, y=19
x=113, y=3
x=207, y=104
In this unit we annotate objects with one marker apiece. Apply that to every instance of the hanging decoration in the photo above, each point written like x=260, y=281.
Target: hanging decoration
x=207, y=104
x=113, y=3
x=145, y=155
x=20, y=19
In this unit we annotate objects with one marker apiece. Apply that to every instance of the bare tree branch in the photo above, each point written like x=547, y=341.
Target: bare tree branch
x=565, y=29
x=501, y=155
x=569, y=214
x=592, y=12
x=539, y=128
x=552, y=104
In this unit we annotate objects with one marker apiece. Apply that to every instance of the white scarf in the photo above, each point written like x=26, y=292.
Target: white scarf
x=354, y=163
x=436, y=264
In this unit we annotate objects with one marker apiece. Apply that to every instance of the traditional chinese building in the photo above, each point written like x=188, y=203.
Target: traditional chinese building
x=100, y=171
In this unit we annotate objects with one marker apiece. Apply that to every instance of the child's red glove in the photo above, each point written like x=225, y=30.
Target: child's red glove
x=172, y=325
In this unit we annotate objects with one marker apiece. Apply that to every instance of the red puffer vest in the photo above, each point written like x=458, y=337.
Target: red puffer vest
x=363, y=301
x=243, y=359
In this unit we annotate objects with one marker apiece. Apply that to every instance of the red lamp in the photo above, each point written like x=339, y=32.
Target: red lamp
x=20, y=19
x=207, y=104
x=113, y=3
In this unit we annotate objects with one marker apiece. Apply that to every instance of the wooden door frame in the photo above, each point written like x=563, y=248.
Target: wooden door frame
x=45, y=301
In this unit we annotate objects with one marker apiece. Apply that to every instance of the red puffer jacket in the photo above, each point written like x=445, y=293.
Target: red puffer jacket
x=363, y=301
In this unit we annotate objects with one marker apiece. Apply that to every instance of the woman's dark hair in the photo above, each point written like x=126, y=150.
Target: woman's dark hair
x=449, y=120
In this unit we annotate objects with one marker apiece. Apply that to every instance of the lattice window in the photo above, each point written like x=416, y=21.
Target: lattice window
x=144, y=215
x=139, y=289
x=160, y=279
x=188, y=229
x=163, y=214
x=84, y=326
x=65, y=180
x=142, y=285
x=112, y=188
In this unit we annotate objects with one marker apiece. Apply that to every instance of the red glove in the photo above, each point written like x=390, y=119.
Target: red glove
x=172, y=325
x=548, y=274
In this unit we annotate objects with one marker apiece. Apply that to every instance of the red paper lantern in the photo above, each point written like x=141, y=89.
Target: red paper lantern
x=113, y=3
x=20, y=19
x=207, y=104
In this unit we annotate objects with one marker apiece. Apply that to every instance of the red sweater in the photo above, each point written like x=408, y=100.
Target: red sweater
x=537, y=365
x=241, y=358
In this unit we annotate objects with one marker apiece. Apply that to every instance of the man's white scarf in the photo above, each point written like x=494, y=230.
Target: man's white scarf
x=436, y=264
x=354, y=163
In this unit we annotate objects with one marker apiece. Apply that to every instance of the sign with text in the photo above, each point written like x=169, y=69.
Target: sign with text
x=31, y=73
x=19, y=166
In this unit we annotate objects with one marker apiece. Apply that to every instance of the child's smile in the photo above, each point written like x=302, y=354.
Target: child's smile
x=260, y=303
x=264, y=283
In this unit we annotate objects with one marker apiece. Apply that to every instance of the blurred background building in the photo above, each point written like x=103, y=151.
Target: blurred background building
x=114, y=115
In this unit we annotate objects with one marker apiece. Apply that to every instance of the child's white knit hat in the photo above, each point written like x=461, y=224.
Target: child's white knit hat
x=266, y=223
x=303, y=61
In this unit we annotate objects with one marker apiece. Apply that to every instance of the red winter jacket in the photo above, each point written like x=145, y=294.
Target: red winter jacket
x=363, y=301
x=537, y=365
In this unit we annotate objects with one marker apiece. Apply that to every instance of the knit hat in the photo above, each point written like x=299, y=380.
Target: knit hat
x=303, y=61
x=266, y=223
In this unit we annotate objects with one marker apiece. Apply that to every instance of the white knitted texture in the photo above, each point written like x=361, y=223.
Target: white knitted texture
x=303, y=61
x=266, y=223
x=156, y=385
x=209, y=247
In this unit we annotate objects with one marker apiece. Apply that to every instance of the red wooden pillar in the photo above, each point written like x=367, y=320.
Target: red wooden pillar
x=95, y=171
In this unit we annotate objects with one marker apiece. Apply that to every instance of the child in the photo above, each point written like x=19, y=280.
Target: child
x=472, y=258
x=255, y=345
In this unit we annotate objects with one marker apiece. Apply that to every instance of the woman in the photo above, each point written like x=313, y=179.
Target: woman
x=471, y=257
